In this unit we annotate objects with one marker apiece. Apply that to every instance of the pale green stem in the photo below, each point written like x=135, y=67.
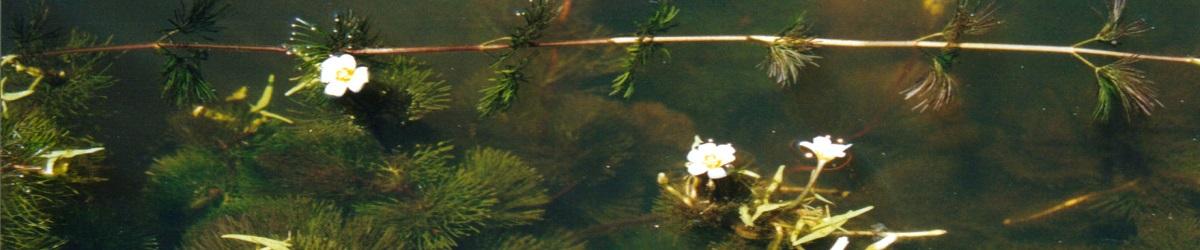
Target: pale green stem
x=1080, y=57
x=812, y=179
x=927, y=37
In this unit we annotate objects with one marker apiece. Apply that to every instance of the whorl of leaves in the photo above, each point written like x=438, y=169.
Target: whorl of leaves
x=442, y=215
x=25, y=214
x=312, y=45
x=789, y=54
x=1120, y=82
x=32, y=34
x=1115, y=27
x=500, y=96
x=25, y=134
x=181, y=177
x=971, y=18
x=198, y=18
x=184, y=82
x=638, y=54
x=424, y=165
x=408, y=75
x=86, y=75
x=308, y=223
x=937, y=88
x=517, y=186
x=537, y=18
x=491, y=189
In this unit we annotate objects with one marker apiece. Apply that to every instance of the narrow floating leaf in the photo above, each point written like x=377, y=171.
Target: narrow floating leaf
x=829, y=225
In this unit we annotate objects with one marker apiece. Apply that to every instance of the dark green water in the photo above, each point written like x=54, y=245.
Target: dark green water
x=1021, y=141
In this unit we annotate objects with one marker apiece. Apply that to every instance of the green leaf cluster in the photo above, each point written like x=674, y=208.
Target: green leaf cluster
x=415, y=79
x=937, y=88
x=789, y=54
x=200, y=18
x=184, y=83
x=310, y=224
x=183, y=79
x=645, y=51
x=490, y=189
x=61, y=86
x=324, y=159
x=1119, y=81
x=509, y=76
x=34, y=125
x=501, y=95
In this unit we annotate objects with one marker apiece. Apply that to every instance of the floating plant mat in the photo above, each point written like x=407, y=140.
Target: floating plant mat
x=567, y=124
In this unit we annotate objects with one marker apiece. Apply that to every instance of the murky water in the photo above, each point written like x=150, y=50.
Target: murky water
x=1021, y=141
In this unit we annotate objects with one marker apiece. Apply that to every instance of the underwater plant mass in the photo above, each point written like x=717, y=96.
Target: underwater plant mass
x=574, y=124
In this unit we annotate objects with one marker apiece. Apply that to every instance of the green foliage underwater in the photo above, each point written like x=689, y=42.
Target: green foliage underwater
x=572, y=124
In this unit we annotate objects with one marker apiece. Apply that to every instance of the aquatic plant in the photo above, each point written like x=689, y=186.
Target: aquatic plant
x=490, y=189
x=753, y=208
x=239, y=168
x=42, y=160
x=789, y=51
x=303, y=223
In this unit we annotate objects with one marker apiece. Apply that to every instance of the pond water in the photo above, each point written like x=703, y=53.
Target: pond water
x=1021, y=139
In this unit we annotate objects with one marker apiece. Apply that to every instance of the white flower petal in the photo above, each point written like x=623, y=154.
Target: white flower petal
x=49, y=169
x=696, y=168
x=335, y=89
x=808, y=145
x=695, y=156
x=717, y=173
x=344, y=60
x=360, y=78
x=725, y=152
x=328, y=72
x=822, y=140
x=841, y=243
x=707, y=148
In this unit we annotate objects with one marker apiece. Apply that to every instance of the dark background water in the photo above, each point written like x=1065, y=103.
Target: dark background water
x=1022, y=140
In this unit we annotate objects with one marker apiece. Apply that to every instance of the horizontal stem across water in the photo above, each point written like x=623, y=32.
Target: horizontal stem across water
x=820, y=42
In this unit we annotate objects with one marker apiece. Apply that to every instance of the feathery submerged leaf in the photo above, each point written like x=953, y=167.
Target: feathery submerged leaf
x=1120, y=82
x=789, y=54
x=936, y=89
x=1115, y=27
x=642, y=52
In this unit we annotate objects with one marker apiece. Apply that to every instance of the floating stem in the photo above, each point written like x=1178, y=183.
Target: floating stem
x=760, y=39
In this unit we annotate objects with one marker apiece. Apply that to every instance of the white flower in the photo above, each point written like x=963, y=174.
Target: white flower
x=710, y=158
x=841, y=243
x=339, y=73
x=824, y=149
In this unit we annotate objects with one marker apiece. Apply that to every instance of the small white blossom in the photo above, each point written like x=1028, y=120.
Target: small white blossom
x=824, y=149
x=339, y=73
x=841, y=243
x=710, y=158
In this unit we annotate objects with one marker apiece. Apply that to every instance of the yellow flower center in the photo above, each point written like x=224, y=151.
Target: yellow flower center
x=344, y=74
x=711, y=161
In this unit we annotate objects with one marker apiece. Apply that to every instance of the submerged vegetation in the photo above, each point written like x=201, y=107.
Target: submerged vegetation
x=372, y=148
